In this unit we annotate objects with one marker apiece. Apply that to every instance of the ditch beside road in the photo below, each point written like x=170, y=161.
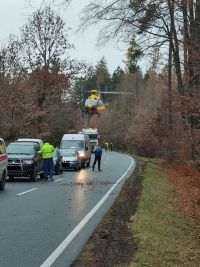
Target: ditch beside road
x=144, y=226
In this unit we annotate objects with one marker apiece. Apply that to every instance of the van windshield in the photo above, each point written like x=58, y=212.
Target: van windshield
x=93, y=136
x=72, y=144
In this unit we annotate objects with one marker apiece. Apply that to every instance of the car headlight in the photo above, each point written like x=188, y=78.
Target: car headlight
x=28, y=161
x=81, y=154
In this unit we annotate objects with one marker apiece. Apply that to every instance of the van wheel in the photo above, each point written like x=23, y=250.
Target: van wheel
x=88, y=164
x=2, y=183
x=57, y=169
x=77, y=168
x=82, y=164
x=34, y=174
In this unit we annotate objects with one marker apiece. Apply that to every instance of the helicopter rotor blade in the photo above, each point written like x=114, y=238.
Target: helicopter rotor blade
x=116, y=93
x=113, y=92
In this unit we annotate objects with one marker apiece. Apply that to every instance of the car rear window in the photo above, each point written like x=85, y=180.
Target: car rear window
x=21, y=149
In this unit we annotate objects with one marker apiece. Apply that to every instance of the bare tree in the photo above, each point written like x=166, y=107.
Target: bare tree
x=45, y=40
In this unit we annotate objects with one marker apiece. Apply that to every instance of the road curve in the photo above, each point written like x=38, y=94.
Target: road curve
x=48, y=223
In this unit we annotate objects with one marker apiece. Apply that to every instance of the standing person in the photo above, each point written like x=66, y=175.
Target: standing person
x=47, y=155
x=111, y=146
x=106, y=146
x=97, y=153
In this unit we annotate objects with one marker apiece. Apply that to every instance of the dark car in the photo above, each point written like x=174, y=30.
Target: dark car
x=24, y=160
x=34, y=140
x=57, y=160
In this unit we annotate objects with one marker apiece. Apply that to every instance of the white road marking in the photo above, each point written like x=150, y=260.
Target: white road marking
x=25, y=192
x=56, y=253
x=58, y=180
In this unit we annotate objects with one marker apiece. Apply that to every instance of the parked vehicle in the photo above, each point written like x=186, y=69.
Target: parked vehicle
x=93, y=135
x=24, y=160
x=70, y=159
x=57, y=160
x=79, y=142
x=3, y=164
x=35, y=140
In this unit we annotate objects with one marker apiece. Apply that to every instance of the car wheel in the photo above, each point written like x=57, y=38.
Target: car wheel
x=42, y=175
x=56, y=169
x=2, y=183
x=88, y=164
x=80, y=165
x=11, y=178
x=77, y=168
x=34, y=174
x=83, y=164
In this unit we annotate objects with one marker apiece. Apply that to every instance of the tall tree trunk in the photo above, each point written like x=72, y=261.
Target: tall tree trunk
x=175, y=48
x=185, y=44
x=170, y=118
x=191, y=44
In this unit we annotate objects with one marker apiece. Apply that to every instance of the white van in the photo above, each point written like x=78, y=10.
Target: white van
x=79, y=142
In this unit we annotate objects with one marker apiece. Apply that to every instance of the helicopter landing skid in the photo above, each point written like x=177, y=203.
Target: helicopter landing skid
x=90, y=113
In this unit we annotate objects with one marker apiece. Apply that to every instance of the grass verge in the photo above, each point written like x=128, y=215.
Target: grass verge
x=165, y=237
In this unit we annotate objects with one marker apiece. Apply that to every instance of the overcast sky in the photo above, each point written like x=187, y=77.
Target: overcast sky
x=14, y=13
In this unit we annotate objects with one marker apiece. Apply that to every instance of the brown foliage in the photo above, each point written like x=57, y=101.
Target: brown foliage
x=186, y=181
x=28, y=102
x=141, y=132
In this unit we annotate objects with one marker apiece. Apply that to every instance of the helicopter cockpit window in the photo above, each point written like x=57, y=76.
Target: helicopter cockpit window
x=91, y=102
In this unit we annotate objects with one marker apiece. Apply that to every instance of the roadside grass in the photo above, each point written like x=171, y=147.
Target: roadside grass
x=165, y=237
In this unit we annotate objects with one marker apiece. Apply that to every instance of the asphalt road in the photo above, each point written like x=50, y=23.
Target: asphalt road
x=48, y=223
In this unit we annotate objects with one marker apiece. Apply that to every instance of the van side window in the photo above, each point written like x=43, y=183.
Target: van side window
x=81, y=144
x=2, y=148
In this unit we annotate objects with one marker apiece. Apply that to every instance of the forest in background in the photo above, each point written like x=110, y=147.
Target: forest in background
x=43, y=89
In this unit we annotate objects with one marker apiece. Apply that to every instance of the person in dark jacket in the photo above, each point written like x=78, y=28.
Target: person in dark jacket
x=97, y=158
x=111, y=146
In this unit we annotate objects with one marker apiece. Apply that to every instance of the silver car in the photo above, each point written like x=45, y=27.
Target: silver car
x=70, y=159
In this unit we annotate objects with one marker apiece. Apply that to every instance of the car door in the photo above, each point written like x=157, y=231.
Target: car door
x=59, y=160
x=38, y=158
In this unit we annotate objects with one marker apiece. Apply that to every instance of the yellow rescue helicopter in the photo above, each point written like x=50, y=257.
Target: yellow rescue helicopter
x=94, y=104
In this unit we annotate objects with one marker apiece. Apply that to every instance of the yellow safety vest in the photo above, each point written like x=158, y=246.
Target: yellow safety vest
x=47, y=151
